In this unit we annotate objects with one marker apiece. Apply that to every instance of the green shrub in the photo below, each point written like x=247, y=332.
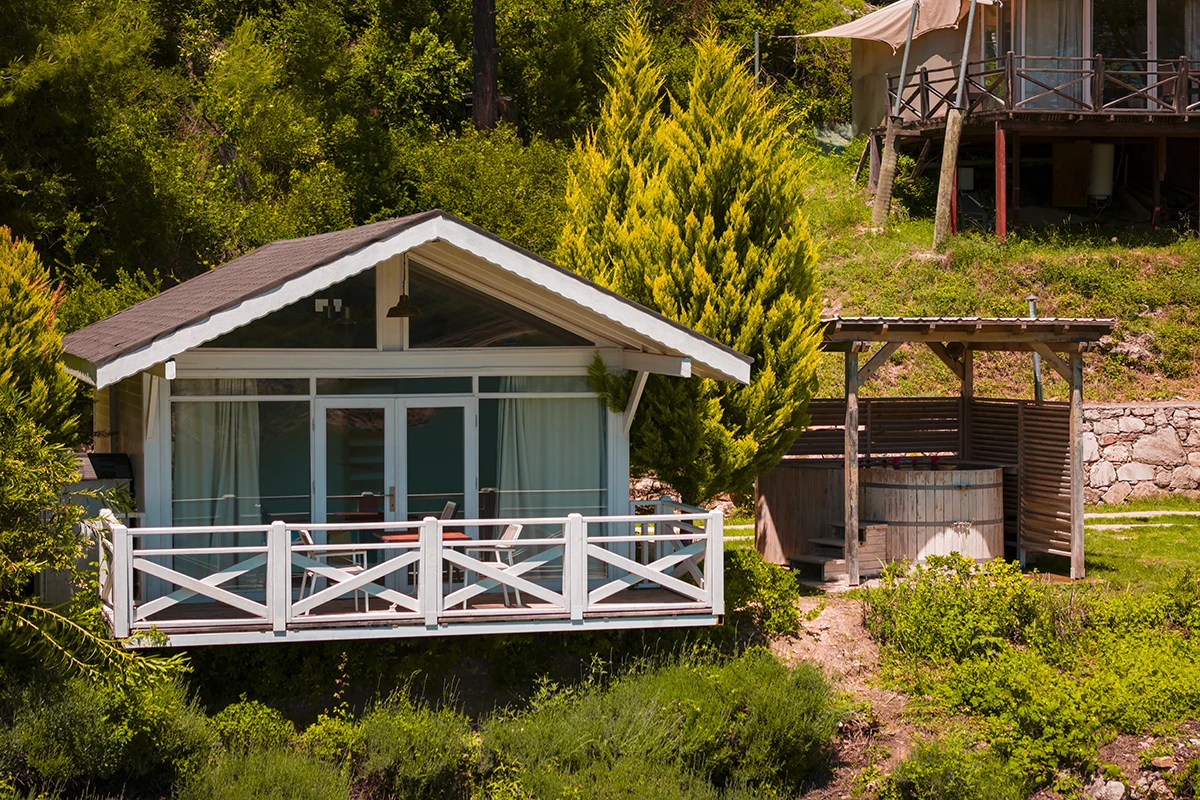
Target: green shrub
x=415, y=751
x=250, y=725
x=950, y=607
x=760, y=595
x=944, y=770
x=278, y=774
x=751, y=721
x=87, y=734
x=1186, y=781
x=337, y=739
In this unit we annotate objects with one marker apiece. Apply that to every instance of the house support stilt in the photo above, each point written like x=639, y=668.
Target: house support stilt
x=1001, y=184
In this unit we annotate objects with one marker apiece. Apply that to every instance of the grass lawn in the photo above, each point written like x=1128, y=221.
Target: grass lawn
x=1147, y=553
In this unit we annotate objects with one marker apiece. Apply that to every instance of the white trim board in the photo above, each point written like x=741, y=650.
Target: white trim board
x=586, y=304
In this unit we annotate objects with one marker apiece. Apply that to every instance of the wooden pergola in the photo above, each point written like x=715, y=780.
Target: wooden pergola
x=1028, y=436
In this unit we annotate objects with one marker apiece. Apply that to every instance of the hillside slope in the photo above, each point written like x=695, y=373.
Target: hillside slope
x=1150, y=282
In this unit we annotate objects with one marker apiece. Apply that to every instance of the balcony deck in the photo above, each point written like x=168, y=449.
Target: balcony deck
x=249, y=584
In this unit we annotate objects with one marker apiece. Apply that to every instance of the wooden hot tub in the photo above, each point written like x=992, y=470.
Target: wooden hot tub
x=936, y=509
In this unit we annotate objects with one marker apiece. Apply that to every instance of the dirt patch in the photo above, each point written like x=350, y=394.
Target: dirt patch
x=835, y=640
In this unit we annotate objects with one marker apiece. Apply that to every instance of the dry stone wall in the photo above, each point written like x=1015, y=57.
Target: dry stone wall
x=1141, y=450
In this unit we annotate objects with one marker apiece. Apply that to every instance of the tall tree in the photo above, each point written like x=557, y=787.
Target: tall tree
x=30, y=343
x=707, y=229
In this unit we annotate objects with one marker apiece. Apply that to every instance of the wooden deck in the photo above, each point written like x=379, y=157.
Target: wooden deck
x=666, y=573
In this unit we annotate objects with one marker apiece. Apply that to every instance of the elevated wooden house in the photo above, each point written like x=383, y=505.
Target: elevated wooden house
x=1088, y=107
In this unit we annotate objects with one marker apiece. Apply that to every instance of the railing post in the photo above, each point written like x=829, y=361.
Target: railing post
x=1183, y=87
x=122, y=584
x=1010, y=81
x=1097, y=82
x=923, y=93
x=279, y=576
x=429, y=586
x=575, y=558
x=714, y=562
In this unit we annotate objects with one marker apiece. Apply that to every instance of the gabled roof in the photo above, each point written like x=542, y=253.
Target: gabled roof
x=269, y=278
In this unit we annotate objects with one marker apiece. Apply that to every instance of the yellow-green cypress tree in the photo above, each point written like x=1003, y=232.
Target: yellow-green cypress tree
x=713, y=236
x=30, y=345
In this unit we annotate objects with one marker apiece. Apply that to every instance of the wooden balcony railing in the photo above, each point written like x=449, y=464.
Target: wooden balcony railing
x=1087, y=85
x=246, y=583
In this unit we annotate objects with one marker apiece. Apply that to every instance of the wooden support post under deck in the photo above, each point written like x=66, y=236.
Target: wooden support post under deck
x=1160, y=159
x=1001, y=184
x=875, y=144
x=851, y=467
x=1077, y=555
x=1016, y=180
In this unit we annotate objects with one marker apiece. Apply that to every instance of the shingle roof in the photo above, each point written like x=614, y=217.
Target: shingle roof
x=224, y=287
x=273, y=265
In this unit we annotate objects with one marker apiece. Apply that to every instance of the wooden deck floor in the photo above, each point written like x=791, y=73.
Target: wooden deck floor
x=209, y=622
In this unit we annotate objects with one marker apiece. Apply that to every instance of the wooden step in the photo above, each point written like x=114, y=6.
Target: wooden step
x=825, y=568
x=828, y=541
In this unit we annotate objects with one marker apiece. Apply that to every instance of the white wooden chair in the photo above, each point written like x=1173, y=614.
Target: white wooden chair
x=510, y=535
x=351, y=562
x=448, y=511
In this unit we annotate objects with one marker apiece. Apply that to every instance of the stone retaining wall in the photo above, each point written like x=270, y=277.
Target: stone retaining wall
x=1141, y=451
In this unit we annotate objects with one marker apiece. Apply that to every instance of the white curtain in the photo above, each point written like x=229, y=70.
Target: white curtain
x=215, y=471
x=551, y=456
x=1191, y=24
x=1053, y=36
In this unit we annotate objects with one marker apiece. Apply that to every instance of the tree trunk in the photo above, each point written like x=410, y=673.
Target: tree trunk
x=946, y=184
x=485, y=90
x=887, y=179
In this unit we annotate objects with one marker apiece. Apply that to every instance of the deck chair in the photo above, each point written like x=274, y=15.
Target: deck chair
x=500, y=551
x=357, y=563
x=448, y=511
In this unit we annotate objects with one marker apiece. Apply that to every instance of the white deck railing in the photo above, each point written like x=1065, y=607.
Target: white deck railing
x=566, y=572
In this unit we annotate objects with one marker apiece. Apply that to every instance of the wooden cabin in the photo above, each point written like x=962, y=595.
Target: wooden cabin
x=389, y=431
x=1073, y=108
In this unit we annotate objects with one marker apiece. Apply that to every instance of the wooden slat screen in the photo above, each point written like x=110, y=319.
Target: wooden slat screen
x=887, y=426
x=1036, y=439
x=1046, y=478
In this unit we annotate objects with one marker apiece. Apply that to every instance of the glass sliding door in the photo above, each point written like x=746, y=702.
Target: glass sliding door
x=358, y=467
x=1053, y=55
x=435, y=457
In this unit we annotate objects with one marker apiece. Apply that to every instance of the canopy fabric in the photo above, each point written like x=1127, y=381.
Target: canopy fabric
x=890, y=23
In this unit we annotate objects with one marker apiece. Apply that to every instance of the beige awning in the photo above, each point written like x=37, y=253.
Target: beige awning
x=890, y=23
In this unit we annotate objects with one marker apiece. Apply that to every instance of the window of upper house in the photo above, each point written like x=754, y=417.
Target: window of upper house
x=341, y=317
x=455, y=315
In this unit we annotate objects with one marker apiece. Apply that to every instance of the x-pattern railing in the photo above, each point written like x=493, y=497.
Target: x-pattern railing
x=678, y=549
x=1014, y=82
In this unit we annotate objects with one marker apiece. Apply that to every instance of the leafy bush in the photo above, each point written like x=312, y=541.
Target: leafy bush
x=250, y=725
x=100, y=735
x=337, y=739
x=760, y=595
x=950, y=607
x=415, y=751
x=749, y=722
x=278, y=774
x=947, y=770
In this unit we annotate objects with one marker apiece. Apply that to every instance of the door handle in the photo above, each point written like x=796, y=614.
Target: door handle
x=391, y=494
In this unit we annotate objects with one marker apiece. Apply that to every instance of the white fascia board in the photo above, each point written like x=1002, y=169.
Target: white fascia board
x=387, y=363
x=77, y=367
x=249, y=310
x=590, y=297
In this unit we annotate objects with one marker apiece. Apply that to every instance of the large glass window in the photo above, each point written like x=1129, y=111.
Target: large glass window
x=542, y=458
x=236, y=463
x=454, y=315
x=340, y=317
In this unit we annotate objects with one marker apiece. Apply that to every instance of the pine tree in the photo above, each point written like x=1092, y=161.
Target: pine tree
x=30, y=344
x=712, y=235
x=609, y=186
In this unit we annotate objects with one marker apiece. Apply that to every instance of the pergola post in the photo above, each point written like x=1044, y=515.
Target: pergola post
x=968, y=394
x=1077, y=559
x=851, y=466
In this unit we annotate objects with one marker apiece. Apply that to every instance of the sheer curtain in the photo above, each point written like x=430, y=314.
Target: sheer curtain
x=215, y=471
x=551, y=457
x=1053, y=36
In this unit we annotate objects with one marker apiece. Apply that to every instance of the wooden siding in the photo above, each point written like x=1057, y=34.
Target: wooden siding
x=887, y=426
x=801, y=499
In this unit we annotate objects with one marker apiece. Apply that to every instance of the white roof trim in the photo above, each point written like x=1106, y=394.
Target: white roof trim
x=705, y=354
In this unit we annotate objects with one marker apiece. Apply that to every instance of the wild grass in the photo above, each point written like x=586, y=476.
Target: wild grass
x=1148, y=554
